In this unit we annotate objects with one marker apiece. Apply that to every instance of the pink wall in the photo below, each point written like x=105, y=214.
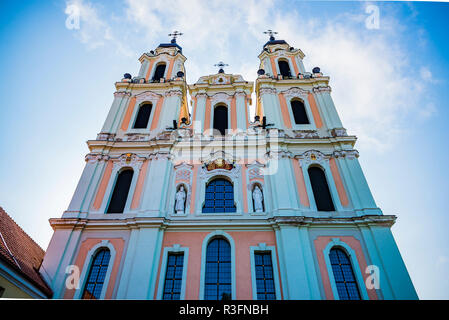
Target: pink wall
x=194, y=241
x=86, y=245
x=128, y=114
x=103, y=185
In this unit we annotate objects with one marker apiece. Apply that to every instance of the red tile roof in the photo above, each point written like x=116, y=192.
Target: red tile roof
x=20, y=251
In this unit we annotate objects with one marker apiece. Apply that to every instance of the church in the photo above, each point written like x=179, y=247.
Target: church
x=184, y=195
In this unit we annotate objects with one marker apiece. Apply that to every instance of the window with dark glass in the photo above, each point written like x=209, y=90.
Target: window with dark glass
x=264, y=276
x=344, y=276
x=218, y=280
x=120, y=193
x=221, y=119
x=143, y=116
x=299, y=112
x=159, y=72
x=219, y=197
x=320, y=188
x=173, y=277
x=284, y=68
x=96, y=275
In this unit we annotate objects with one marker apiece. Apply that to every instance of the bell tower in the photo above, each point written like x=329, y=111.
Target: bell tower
x=221, y=102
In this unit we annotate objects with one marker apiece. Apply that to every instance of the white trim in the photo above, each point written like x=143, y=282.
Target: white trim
x=261, y=247
x=176, y=248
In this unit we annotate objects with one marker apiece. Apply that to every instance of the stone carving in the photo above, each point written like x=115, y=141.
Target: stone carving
x=180, y=200
x=295, y=92
x=339, y=132
x=348, y=154
x=220, y=97
x=312, y=156
x=267, y=91
x=258, y=199
x=147, y=96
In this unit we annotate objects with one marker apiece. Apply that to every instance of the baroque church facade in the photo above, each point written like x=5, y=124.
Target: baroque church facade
x=208, y=203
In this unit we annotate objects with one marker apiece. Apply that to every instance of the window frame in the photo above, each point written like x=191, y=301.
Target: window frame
x=104, y=244
x=176, y=249
x=336, y=242
x=153, y=71
x=328, y=183
x=113, y=189
x=311, y=125
x=263, y=248
x=136, y=113
x=233, y=196
x=228, y=109
x=207, y=239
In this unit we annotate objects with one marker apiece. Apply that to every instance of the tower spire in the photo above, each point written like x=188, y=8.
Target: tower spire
x=221, y=64
x=271, y=33
x=175, y=34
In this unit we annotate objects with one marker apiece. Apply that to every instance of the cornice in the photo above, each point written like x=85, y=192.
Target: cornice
x=132, y=222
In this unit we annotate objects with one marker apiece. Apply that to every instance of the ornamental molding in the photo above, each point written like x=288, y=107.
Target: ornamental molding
x=267, y=91
x=172, y=93
x=106, y=136
x=234, y=173
x=220, y=97
x=224, y=80
x=219, y=154
x=255, y=170
x=295, y=92
x=322, y=89
x=163, y=57
x=200, y=95
x=279, y=154
x=312, y=157
x=150, y=96
x=137, y=137
x=128, y=160
x=96, y=157
x=302, y=134
x=240, y=94
x=339, y=132
x=348, y=154
x=122, y=94
x=164, y=155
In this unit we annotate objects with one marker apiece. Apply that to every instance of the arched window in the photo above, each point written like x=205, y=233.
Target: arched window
x=219, y=197
x=284, y=68
x=344, y=276
x=159, y=72
x=221, y=119
x=143, y=116
x=96, y=275
x=121, y=190
x=218, y=280
x=321, y=193
x=299, y=112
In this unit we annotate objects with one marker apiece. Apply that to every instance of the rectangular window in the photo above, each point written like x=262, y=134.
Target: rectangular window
x=173, y=277
x=264, y=276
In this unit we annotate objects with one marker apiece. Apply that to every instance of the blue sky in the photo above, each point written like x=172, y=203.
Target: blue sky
x=389, y=85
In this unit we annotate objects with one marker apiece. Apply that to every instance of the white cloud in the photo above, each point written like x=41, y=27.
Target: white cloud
x=95, y=31
x=374, y=85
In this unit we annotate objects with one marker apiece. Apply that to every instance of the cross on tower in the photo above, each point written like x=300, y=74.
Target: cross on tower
x=271, y=33
x=174, y=34
x=221, y=64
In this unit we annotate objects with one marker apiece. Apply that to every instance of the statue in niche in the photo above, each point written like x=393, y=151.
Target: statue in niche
x=258, y=199
x=180, y=200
